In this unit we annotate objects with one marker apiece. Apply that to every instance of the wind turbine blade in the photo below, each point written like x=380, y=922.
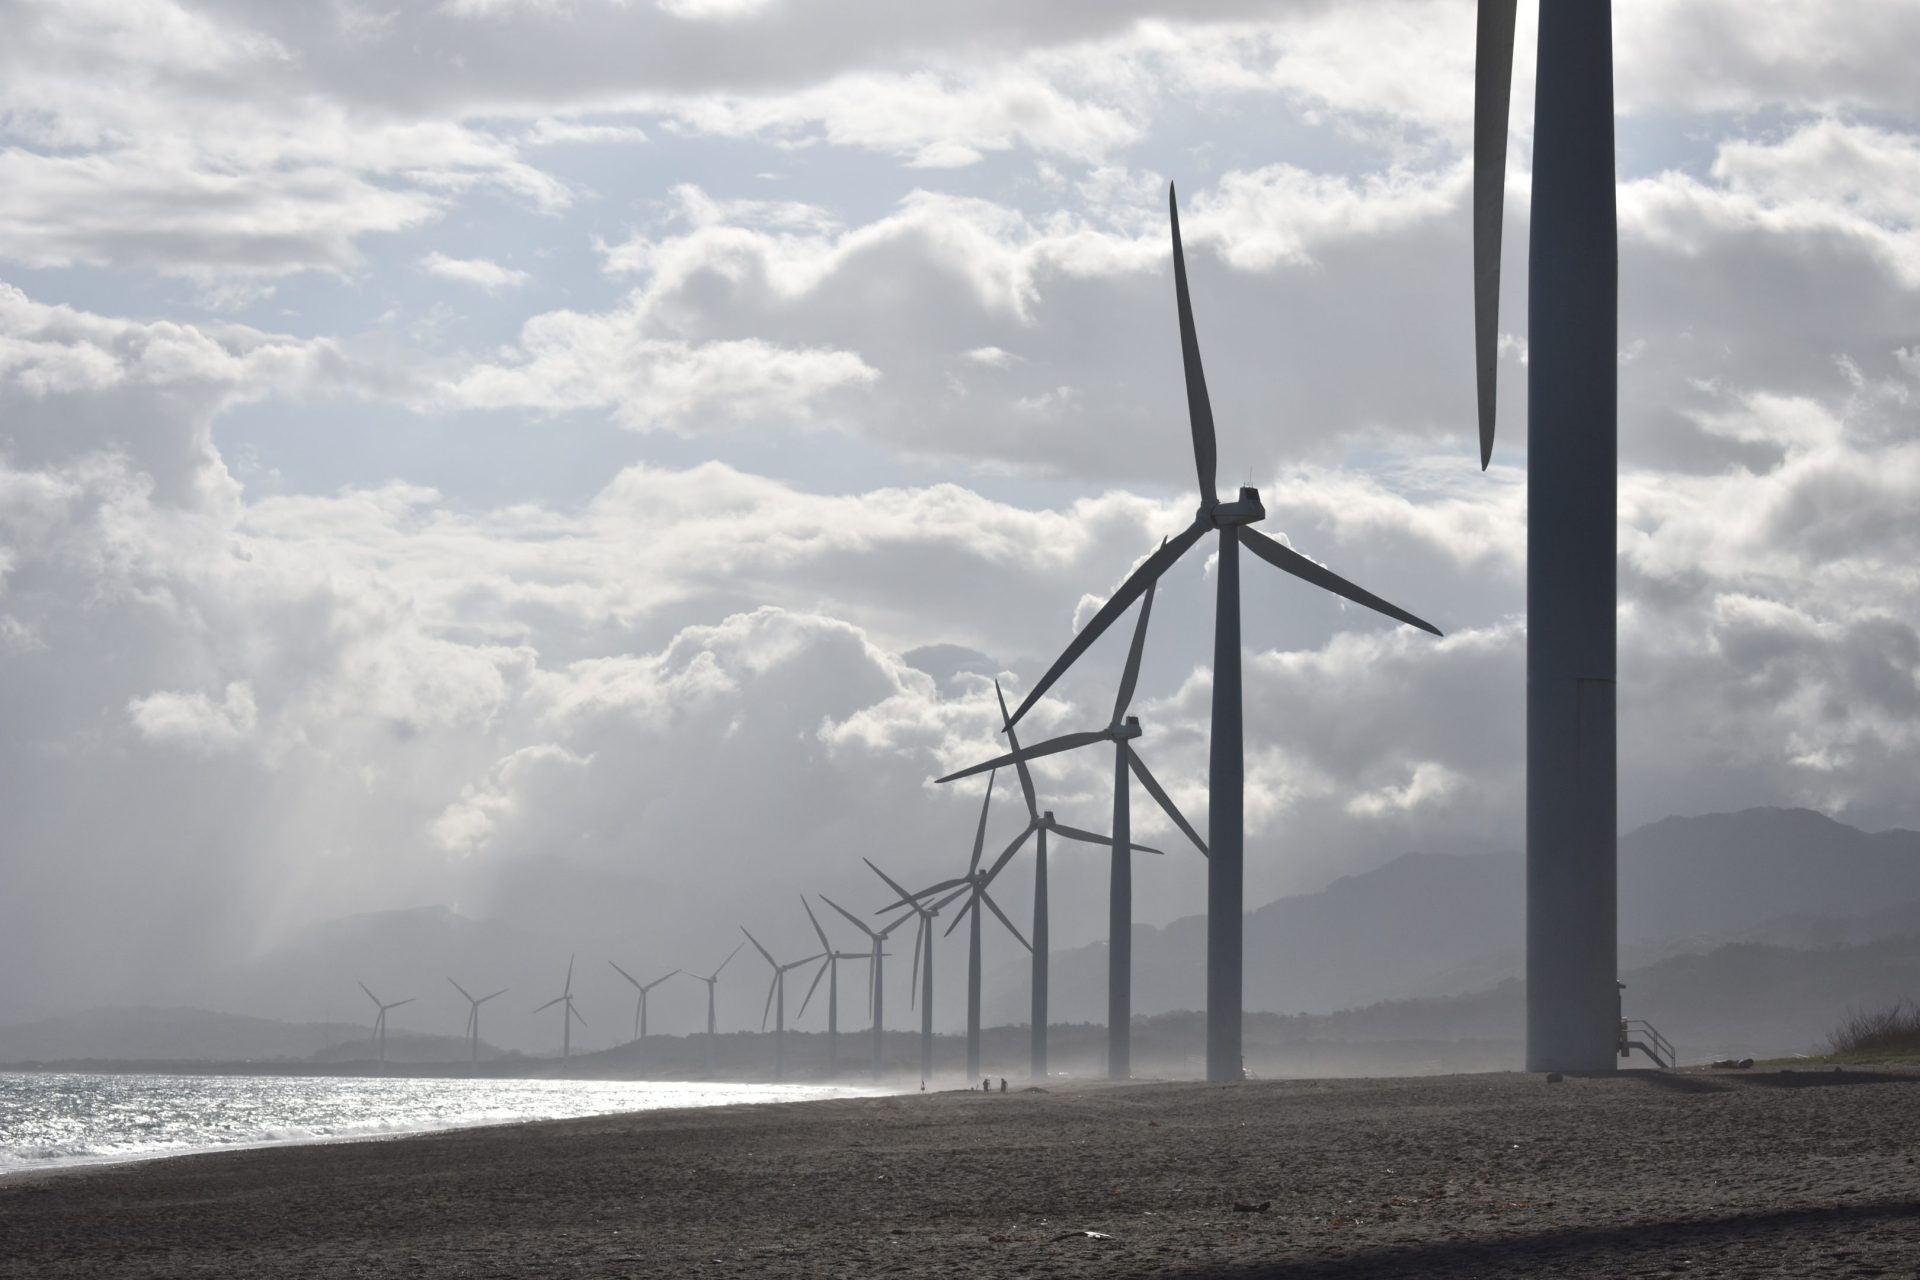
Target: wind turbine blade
x=1006, y=854
x=815, y=922
x=370, y=995
x=502, y=991
x=766, y=1012
x=1165, y=801
x=980, y=832
x=1150, y=569
x=549, y=1004
x=1492, y=96
x=941, y=905
x=462, y=990
x=657, y=981
x=891, y=882
x=397, y=1003
x=1291, y=561
x=995, y=908
x=623, y=973
x=1013, y=740
x=818, y=974
x=569, y=986
x=723, y=964
x=1131, y=674
x=856, y=921
x=762, y=950
x=576, y=1013
x=913, y=900
x=806, y=960
x=1199, y=410
x=973, y=900
x=1052, y=746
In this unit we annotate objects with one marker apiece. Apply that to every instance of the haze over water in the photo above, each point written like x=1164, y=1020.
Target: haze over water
x=52, y=1120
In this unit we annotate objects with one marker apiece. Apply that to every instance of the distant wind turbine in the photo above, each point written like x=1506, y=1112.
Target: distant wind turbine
x=1573, y=468
x=1226, y=771
x=876, y=988
x=973, y=886
x=923, y=933
x=1038, y=824
x=566, y=1019
x=1121, y=731
x=830, y=968
x=777, y=989
x=380, y=1020
x=712, y=980
x=640, y=1004
x=473, y=1018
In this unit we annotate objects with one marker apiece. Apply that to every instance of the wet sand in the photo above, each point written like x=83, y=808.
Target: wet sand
x=1807, y=1173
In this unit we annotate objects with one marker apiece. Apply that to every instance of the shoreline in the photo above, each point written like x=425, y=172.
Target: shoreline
x=379, y=1131
x=1497, y=1175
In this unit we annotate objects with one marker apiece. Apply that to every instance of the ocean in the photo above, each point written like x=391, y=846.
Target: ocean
x=55, y=1119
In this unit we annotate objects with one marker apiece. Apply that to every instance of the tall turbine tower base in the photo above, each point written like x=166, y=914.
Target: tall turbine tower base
x=1572, y=481
x=1226, y=782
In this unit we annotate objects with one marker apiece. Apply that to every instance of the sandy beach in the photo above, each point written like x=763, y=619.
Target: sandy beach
x=1715, y=1174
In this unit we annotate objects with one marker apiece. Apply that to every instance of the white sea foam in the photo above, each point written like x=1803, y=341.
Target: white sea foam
x=50, y=1120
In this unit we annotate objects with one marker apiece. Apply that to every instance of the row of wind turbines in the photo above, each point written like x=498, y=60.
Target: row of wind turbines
x=1571, y=592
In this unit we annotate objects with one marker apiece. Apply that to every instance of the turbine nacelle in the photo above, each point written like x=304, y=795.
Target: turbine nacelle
x=1246, y=510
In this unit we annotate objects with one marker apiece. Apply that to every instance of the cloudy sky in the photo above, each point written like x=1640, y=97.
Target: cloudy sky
x=440, y=435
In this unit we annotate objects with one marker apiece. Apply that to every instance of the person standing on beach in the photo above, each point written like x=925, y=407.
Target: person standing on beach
x=1003, y=1084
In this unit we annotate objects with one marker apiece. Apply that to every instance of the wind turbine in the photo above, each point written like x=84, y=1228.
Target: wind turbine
x=640, y=1005
x=566, y=1019
x=380, y=1020
x=1226, y=773
x=922, y=933
x=876, y=989
x=1572, y=504
x=778, y=987
x=1038, y=824
x=973, y=886
x=712, y=980
x=473, y=1017
x=1121, y=731
x=830, y=968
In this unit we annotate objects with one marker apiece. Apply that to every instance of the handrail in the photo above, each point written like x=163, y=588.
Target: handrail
x=1657, y=1046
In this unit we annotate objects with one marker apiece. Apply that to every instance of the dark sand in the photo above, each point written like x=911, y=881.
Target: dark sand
x=1705, y=1174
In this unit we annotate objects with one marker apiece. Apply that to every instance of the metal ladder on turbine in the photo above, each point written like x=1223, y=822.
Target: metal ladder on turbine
x=1638, y=1033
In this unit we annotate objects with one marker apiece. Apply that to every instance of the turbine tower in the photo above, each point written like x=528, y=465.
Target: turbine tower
x=1572, y=503
x=712, y=980
x=640, y=1004
x=923, y=977
x=777, y=988
x=566, y=1019
x=380, y=1019
x=1226, y=773
x=830, y=968
x=973, y=886
x=473, y=1018
x=876, y=989
x=1121, y=731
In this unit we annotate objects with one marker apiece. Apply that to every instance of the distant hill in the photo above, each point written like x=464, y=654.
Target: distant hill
x=1437, y=924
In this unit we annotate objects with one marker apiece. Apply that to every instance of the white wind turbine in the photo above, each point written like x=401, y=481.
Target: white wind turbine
x=1121, y=732
x=380, y=1019
x=473, y=1018
x=831, y=970
x=713, y=980
x=566, y=1019
x=777, y=989
x=640, y=1002
x=1226, y=770
x=876, y=988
